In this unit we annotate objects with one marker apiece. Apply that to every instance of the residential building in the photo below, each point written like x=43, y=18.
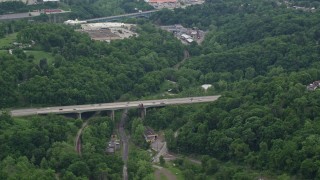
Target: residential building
x=113, y=145
x=313, y=86
x=149, y=135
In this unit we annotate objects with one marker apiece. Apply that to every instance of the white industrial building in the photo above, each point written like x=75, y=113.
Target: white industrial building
x=74, y=22
x=185, y=36
x=96, y=26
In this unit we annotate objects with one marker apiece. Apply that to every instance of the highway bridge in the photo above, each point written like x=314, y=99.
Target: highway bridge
x=123, y=16
x=143, y=105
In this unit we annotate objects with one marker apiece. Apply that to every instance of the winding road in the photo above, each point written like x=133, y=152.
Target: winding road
x=124, y=140
x=78, y=139
x=186, y=55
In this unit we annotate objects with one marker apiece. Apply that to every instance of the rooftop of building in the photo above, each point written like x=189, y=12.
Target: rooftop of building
x=149, y=131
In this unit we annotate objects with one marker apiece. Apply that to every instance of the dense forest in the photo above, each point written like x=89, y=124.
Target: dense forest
x=96, y=71
x=42, y=148
x=259, y=55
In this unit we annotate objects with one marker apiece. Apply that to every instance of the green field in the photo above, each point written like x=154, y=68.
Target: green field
x=8, y=40
x=174, y=170
x=22, y=121
x=37, y=55
x=40, y=55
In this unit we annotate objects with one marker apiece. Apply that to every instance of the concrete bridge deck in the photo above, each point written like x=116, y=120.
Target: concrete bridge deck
x=118, y=17
x=112, y=106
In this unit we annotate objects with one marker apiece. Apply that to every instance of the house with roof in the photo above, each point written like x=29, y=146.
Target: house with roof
x=113, y=145
x=149, y=135
x=313, y=86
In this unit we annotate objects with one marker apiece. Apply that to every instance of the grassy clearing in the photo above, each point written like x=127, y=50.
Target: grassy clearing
x=174, y=170
x=163, y=92
x=22, y=122
x=8, y=40
x=166, y=85
x=162, y=176
x=40, y=55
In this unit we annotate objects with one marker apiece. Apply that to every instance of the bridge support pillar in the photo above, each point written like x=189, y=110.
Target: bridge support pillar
x=79, y=115
x=112, y=115
x=143, y=112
